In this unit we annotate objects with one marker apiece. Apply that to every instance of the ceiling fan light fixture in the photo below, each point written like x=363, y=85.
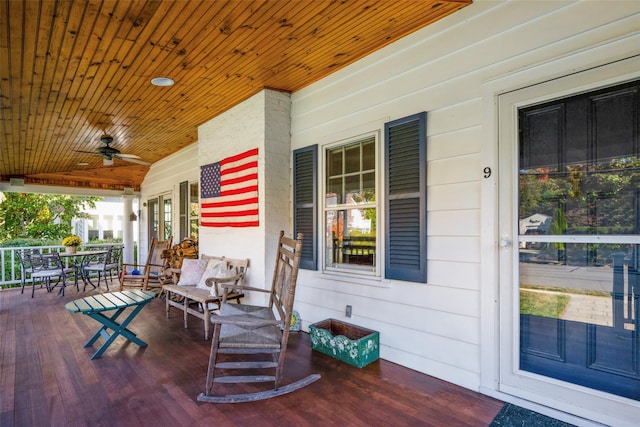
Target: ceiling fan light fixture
x=107, y=162
x=162, y=81
x=106, y=139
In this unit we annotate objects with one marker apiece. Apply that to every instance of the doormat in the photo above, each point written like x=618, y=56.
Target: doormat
x=515, y=416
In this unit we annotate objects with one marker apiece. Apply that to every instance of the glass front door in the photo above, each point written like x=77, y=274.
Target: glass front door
x=578, y=251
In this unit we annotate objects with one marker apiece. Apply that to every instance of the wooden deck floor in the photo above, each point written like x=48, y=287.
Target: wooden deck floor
x=48, y=379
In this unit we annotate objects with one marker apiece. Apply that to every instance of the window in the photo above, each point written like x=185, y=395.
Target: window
x=194, y=210
x=154, y=218
x=350, y=207
x=166, y=210
x=93, y=225
x=351, y=210
x=189, y=210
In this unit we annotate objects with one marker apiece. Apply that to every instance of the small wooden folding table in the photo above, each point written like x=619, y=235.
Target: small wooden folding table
x=94, y=306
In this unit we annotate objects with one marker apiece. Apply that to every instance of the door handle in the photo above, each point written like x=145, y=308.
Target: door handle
x=505, y=242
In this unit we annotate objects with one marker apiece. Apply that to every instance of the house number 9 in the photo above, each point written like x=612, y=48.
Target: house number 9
x=487, y=172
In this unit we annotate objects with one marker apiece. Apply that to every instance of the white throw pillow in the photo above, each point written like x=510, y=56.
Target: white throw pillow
x=191, y=271
x=215, y=268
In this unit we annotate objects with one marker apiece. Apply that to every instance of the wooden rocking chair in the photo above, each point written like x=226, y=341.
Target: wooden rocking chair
x=244, y=331
x=153, y=271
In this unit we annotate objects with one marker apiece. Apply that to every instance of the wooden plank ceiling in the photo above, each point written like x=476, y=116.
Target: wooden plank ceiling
x=71, y=71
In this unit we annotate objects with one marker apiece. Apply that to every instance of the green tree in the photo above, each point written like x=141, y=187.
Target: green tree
x=40, y=216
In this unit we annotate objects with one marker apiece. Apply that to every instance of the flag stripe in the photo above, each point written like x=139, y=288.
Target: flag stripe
x=236, y=213
x=241, y=156
x=241, y=179
x=241, y=190
x=239, y=202
x=230, y=224
x=229, y=191
x=240, y=168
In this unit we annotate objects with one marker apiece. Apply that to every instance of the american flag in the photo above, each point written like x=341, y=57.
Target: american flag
x=229, y=191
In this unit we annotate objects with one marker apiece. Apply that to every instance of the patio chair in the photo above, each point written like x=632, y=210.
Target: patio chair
x=246, y=332
x=153, y=272
x=46, y=267
x=114, y=261
x=103, y=264
x=25, y=264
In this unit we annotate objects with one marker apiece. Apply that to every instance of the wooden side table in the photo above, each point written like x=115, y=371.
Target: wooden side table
x=95, y=305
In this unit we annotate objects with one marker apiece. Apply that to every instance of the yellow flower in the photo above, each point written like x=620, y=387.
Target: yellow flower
x=71, y=241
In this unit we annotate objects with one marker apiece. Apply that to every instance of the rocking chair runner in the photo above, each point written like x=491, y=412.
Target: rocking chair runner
x=247, y=330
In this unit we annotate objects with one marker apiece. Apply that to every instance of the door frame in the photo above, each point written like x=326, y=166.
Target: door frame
x=500, y=374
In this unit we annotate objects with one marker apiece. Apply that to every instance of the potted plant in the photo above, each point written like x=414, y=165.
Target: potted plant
x=71, y=243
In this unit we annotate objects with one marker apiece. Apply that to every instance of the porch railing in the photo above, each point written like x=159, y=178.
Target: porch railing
x=11, y=269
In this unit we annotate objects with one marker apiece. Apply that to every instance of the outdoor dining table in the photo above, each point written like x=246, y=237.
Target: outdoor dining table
x=95, y=306
x=84, y=258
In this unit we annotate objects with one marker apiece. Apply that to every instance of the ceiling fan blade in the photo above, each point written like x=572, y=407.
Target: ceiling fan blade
x=132, y=160
x=127, y=156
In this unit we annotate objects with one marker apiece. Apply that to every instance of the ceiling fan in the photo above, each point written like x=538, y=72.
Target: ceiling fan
x=109, y=153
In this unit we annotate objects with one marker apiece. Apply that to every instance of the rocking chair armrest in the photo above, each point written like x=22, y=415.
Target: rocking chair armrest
x=124, y=265
x=135, y=267
x=240, y=288
x=220, y=280
x=216, y=282
x=154, y=265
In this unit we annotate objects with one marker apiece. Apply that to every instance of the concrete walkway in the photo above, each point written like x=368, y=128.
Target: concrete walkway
x=589, y=309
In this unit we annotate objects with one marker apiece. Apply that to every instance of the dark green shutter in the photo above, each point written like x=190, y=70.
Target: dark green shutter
x=305, y=216
x=406, y=199
x=184, y=210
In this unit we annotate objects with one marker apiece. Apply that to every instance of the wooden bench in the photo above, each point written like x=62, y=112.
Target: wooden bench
x=196, y=301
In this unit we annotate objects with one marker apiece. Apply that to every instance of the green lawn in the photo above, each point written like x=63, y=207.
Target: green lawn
x=546, y=304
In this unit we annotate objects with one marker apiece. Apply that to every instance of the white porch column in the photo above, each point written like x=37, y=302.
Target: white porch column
x=127, y=230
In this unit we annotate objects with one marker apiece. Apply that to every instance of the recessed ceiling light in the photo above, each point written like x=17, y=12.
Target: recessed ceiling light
x=83, y=164
x=162, y=81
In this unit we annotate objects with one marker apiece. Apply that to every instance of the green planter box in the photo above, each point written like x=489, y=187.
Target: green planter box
x=352, y=344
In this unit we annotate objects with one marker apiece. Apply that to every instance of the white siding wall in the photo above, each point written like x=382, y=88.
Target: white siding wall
x=437, y=327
